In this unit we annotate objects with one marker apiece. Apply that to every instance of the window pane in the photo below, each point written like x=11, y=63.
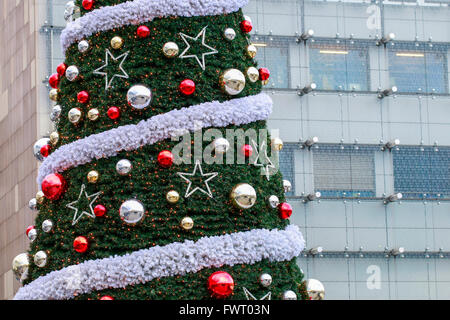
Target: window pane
x=274, y=56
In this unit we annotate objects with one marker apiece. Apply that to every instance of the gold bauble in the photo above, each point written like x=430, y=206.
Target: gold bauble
x=265, y=82
x=232, y=82
x=253, y=74
x=187, y=223
x=53, y=95
x=315, y=289
x=93, y=176
x=40, y=197
x=243, y=196
x=172, y=196
x=20, y=265
x=170, y=49
x=251, y=51
x=93, y=114
x=54, y=137
x=75, y=115
x=277, y=144
x=116, y=42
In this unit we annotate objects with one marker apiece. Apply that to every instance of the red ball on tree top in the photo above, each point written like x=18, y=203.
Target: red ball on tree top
x=113, y=113
x=246, y=26
x=165, y=159
x=143, y=32
x=247, y=150
x=53, y=186
x=45, y=150
x=187, y=87
x=99, y=210
x=264, y=74
x=54, y=80
x=88, y=4
x=106, y=298
x=220, y=284
x=80, y=244
x=83, y=97
x=285, y=210
x=61, y=69
x=29, y=229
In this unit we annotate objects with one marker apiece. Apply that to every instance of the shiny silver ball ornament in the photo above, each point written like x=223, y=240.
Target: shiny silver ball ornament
x=229, y=34
x=253, y=74
x=187, y=223
x=38, y=146
x=170, y=49
x=315, y=289
x=232, y=82
x=243, y=196
x=124, y=167
x=20, y=265
x=93, y=114
x=47, y=226
x=32, y=204
x=289, y=295
x=265, y=280
x=277, y=144
x=139, y=96
x=40, y=259
x=172, y=196
x=72, y=73
x=83, y=46
x=55, y=113
x=287, y=186
x=273, y=201
x=74, y=115
x=32, y=235
x=221, y=145
x=132, y=211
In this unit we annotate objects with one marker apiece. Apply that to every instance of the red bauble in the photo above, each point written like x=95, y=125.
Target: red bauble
x=106, y=298
x=53, y=186
x=220, y=284
x=88, y=4
x=113, y=113
x=264, y=74
x=54, y=80
x=29, y=229
x=61, y=69
x=165, y=159
x=285, y=210
x=80, y=244
x=187, y=87
x=83, y=97
x=246, y=26
x=247, y=150
x=99, y=210
x=45, y=150
x=143, y=32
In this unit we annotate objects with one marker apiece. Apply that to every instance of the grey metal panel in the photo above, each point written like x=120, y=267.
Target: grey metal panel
x=286, y=106
x=413, y=239
x=327, y=214
x=364, y=108
x=403, y=109
x=371, y=239
x=409, y=270
x=368, y=214
x=333, y=239
x=319, y=268
x=406, y=215
x=412, y=291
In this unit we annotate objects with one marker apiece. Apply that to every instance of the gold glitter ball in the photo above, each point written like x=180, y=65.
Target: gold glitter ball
x=116, y=42
x=187, y=223
x=54, y=138
x=172, y=196
x=170, y=49
x=93, y=176
x=40, y=197
x=53, y=95
x=251, y=51
x=277, y=144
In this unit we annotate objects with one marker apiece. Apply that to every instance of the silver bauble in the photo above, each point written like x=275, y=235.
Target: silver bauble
x=274, y=201
x=229, y=34
x=38, y=146
x=221, y=145
x=40, y=259
x=47, y=226
x=32, y=204
x=32, y=234
x=55, y=113
x=287, y=186
x=265, y=280
x=83, y=46
x=253, y=74
x=243, y=196
x=139, y=96
x=170, y=49
x=20, y=265
x=123, y=167
x=315, y=289
x=289, y=295
x=72, y=73
x=132, y=211
x=232, y=82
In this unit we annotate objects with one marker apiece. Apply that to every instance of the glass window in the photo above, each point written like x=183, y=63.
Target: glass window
x=344, y=170
x=418, y=70
x=286, y=162
x=334, y=67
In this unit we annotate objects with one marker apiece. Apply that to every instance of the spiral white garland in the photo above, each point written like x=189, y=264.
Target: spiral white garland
x=141, y=11
x=170, y=260
x=173, y=123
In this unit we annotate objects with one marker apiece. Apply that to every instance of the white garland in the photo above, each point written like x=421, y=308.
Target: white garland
x=170, y=260
x=131, y=137
x=141, y=11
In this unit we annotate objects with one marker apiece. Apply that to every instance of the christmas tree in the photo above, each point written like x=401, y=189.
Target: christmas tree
x=160, y=180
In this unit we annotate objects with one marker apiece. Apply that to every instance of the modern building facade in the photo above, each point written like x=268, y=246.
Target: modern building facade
x=348, y=134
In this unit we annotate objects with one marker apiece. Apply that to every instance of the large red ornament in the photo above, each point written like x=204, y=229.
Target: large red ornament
x=80, y=244
x=53, y=186
x=247, y=150
x=83, y=97
x=99, y=210
x=246, y=26
x=29, y=229
x=285, y=210
x=113, y=113
x=187, y=87
x=165, y=159
x=54, y=80
x=106, y=298
x=45, y=150
x=88, y=4
x=143, y=32
x=61, y=69
x=220, y=284
x=264, y=74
